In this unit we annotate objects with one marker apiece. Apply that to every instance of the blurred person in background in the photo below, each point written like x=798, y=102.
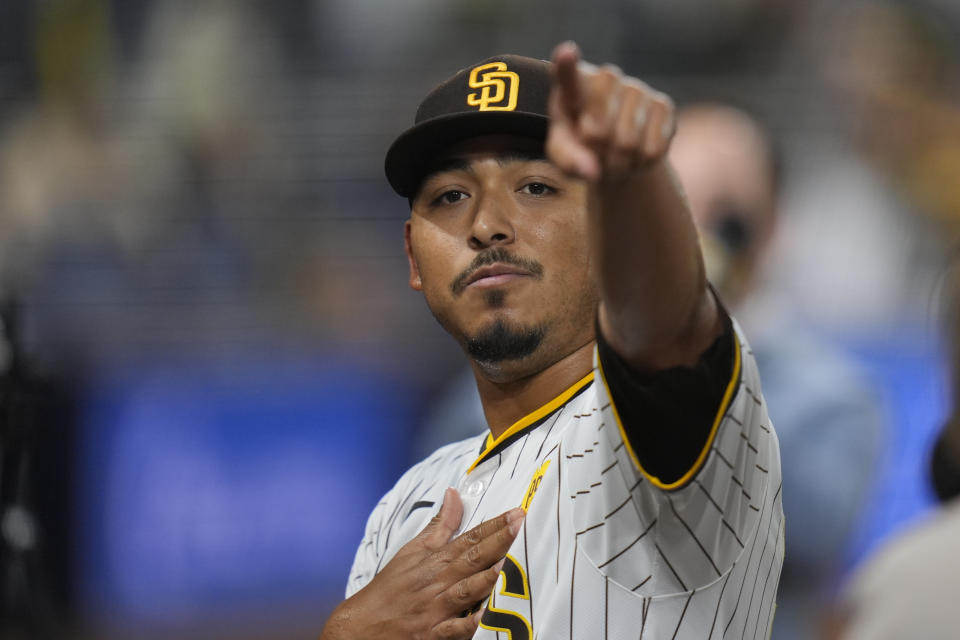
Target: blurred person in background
x=909, y=587
x=821, y=404
x=871, y=204
x=54, y=172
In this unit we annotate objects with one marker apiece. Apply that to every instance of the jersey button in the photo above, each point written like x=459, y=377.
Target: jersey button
x=474, y=489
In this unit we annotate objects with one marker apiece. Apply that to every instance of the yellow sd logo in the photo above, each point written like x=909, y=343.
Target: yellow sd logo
x=498, y=87
x=534, y=485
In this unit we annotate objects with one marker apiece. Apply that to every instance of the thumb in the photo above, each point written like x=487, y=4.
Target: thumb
x=443, y=525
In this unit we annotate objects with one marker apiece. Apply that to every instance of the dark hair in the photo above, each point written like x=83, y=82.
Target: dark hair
x=772, y=145
x=945, y=457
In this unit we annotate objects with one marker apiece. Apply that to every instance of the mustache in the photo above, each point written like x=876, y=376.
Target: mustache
x=494, y=256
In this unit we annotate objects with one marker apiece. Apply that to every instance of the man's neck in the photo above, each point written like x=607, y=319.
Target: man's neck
x=504, y=403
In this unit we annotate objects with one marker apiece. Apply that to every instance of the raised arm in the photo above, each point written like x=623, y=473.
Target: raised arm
x=614, y=131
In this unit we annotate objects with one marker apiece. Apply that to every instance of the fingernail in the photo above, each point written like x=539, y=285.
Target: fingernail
x=515, y=520
x=499, y=565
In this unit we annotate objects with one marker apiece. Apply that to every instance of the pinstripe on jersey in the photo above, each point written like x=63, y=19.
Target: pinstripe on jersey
x=605, y=551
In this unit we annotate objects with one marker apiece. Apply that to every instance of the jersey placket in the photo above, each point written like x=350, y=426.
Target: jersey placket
x=473, y=486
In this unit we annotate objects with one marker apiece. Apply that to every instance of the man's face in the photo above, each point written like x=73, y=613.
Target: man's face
x=497, y=243
x=723, y=162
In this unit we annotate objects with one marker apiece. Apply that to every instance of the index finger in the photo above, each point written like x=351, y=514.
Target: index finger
x=566, y=79
x=510, y=520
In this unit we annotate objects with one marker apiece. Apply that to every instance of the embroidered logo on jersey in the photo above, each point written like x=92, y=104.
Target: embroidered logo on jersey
x=498, y=87
x=516, y=585
x=534, y=485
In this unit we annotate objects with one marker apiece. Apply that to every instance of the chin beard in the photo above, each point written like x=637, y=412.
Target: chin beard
x=500, y=342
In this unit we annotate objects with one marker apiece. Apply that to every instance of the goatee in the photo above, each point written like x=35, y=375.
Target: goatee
x=500, y=342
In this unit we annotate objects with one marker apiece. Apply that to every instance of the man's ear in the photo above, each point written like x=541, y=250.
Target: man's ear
x=415, y=282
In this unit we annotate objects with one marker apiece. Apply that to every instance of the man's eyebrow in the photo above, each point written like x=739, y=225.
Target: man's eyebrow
x=446, y=164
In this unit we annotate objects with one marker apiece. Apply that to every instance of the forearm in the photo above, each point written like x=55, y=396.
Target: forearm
x=334, y=628
x=655, y=308
x=614, y=131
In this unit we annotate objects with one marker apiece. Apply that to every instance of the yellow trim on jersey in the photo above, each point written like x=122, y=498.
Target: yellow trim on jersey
x=724, y=405
x=523, y=574
x=534, y=485
x=532, y=417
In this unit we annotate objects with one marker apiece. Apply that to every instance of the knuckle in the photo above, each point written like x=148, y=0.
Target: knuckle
x=655, y=148
x=669, y=127
x=474, y=536
x=636, y=84
x=610, y=71
x=504, y=540
x=592, y=129
x=634, y=94
x=439, y=557
x=463, y=596
x=663, y=104
x=452, y=599
x=428, y=531
x=461, y=592
x=473, y=554
x=452, y=629
x=593, y=136
x=641, y=115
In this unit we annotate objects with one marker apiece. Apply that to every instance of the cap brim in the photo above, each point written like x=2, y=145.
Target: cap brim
x=411, y=155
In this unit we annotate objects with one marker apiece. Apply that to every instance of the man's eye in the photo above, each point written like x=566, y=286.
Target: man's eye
x=449, y=197
x=537, y=189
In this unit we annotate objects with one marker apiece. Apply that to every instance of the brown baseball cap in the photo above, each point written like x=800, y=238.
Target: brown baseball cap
x=504, y=94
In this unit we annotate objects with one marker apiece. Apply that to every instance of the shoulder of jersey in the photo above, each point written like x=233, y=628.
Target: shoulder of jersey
x=467, y=448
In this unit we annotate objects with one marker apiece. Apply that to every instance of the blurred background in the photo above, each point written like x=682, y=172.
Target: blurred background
x=211, y=365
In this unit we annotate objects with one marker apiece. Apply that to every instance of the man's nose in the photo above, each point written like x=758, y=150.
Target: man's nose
x=492, y=223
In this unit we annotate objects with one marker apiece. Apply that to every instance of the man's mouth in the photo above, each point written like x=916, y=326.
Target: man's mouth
x=494, y=268
x=495, y=275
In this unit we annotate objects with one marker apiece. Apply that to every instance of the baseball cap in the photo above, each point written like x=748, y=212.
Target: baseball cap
x=505, y=94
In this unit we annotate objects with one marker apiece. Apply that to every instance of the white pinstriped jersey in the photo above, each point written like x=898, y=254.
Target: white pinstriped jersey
x=607, y=551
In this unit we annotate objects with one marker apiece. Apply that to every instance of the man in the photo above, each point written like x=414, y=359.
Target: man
x=629, y=443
